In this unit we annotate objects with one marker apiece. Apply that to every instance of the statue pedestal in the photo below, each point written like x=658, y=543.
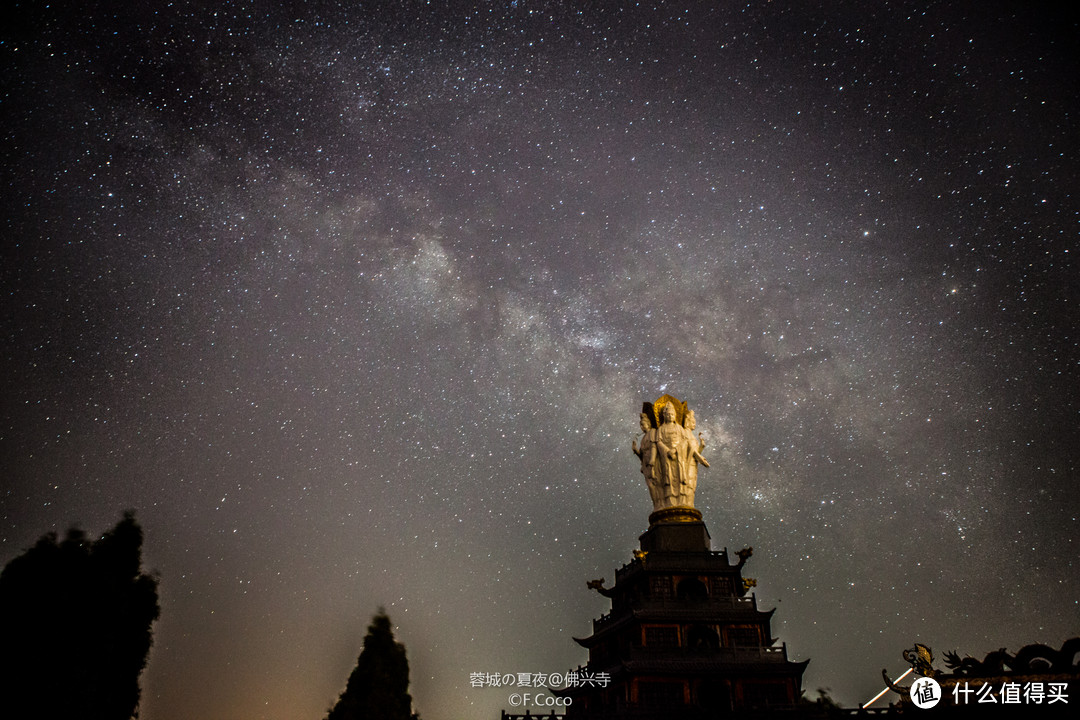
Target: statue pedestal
x=676, y=530
x=667, y=516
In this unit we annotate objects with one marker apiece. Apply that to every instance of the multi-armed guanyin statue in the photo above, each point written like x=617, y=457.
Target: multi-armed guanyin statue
x=669, y=454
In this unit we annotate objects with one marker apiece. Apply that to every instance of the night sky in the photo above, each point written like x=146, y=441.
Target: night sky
x=356, y=305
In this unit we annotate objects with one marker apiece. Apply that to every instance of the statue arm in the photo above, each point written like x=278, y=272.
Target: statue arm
x=695, y=452
x=659, y=444
x=670, y=453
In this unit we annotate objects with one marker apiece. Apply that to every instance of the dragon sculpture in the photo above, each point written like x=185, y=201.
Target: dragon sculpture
x=1036, y=658
x=1030, y=658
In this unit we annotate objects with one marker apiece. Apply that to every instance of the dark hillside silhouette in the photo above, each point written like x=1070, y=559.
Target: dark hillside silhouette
x=378, y=688
x=75, y=618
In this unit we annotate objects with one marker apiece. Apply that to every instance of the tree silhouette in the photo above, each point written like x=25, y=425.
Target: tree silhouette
x=378, y=688
x=75, y=621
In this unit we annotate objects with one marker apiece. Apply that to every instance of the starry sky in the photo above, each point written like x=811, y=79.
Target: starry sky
x=356, y=305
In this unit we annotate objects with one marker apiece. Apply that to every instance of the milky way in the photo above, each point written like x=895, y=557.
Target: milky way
x=357, y=307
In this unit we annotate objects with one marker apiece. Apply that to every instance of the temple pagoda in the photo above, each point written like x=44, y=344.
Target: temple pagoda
x=684, y=637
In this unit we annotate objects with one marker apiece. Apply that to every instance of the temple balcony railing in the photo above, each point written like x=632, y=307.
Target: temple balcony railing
x=726, y=655
x=697, y=561
x=679, y=609
x=528, y=715
x=664, y=711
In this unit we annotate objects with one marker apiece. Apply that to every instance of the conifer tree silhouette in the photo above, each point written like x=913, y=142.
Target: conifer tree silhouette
x=378, y=688
x=75, y=618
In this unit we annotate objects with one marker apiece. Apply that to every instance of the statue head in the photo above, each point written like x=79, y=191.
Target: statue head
x=645, y=424
x=668, y=413
x=689, y=422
